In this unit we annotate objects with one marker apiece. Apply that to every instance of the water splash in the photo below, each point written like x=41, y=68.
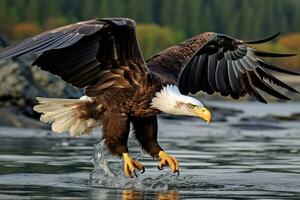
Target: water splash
x=107, y=170
x=108, y=173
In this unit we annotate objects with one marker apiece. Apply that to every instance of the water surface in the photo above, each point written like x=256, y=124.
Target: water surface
x=254, y=154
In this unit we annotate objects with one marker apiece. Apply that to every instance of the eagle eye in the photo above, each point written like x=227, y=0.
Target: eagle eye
x=191, y=106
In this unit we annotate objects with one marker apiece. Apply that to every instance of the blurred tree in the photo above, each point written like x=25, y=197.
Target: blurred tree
x=88, y=8
x=291, y=42
x=154, y=38
x=3, y=21
x=23, y=30
x=207, y=17
x=248, y=19
x=55, y=22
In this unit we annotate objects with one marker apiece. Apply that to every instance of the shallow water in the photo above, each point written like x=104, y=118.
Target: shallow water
x=245, y=155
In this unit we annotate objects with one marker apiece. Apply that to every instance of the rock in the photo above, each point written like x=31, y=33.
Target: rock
x=20, y=84
x=292, y=117
x=255, y=119
x=273, y=118
x=11, y=116
x=3, y=42
x=53, y=85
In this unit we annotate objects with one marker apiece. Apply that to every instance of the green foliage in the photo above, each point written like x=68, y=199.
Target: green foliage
x=285, y=44
x=292, y=42
x=247, y=18
x=23, y=30
x=175, y=19
x=154, y=38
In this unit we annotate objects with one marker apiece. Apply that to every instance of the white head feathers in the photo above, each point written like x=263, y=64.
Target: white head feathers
x=169, y=100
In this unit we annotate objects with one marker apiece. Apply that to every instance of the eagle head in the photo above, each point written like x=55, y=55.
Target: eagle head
x=171, y=101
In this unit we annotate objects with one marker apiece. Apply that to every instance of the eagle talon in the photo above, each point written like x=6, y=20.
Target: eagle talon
x=143, y=170
x=131, y=165
x=166, y=159
x=135, y=174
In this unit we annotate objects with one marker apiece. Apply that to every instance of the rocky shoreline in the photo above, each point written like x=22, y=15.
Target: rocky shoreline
x=20, y=84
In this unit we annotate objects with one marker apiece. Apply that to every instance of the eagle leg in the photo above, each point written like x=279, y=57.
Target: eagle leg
x=167, y=160
x=145, y=130
x=116, y=128
x=130, y=166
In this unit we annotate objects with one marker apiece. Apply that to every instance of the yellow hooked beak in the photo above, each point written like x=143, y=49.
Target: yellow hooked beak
x=203, y=113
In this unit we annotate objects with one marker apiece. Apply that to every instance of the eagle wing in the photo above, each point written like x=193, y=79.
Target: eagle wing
x=215, y=62
x=92, y=54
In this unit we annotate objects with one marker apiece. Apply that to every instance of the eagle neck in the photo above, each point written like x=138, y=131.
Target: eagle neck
x=165, y=100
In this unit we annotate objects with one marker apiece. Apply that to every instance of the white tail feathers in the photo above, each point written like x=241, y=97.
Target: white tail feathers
x=66, y=115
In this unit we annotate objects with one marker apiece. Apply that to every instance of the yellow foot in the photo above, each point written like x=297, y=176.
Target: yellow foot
x=130, y=165
x=166, y=159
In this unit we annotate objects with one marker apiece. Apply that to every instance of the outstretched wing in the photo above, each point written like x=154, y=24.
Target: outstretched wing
x=228, y=66
x=94, y=53
x=168, y=64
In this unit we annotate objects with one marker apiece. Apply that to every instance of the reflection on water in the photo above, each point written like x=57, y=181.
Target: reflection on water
x=236, y=157
x=168, y=195
x=131, y=195
x=134, y=195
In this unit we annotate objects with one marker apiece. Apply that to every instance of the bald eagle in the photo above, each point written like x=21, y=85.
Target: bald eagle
x=103, y=57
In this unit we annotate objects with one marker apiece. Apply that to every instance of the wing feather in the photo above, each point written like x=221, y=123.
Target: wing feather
x=262, y=85
x=221, y=76
x=234, y=81
x=234, y=69
x=193, y=74
x=212, y=63
x=202, y=75
x=80, y=52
